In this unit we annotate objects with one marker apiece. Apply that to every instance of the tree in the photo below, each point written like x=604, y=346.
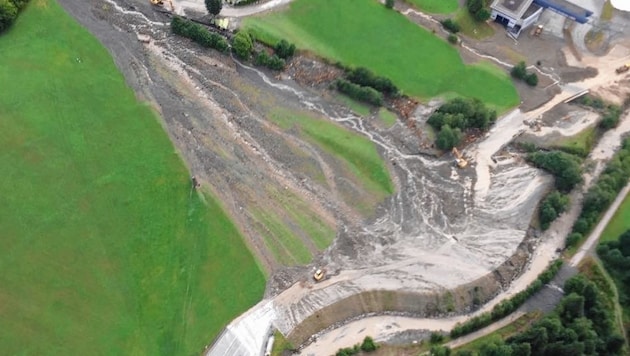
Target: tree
x=389, y=4
x=242, y=45
x=284, y=49
x=519, y=71
x=531, y=79
x=448, y=138
x=368, y=344
x=8, y=13
x=214, y=6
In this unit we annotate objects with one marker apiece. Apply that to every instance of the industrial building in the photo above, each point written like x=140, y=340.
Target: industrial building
x=517, y=15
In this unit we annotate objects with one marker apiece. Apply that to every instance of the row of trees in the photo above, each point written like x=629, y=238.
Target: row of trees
x=9, y=10
x=519, y=71
x=456, y=116
x=507, y=306
x=582, y=324
x=616, y=258
x=243, y=47
x=563, y=166
x=602, y=193
x=198, y=33
x=364, y=77
x=358, y=92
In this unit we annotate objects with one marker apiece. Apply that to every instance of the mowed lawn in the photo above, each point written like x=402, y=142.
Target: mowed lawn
x=619, y=223
x=365, y=33
x=105, y=249
x=435, y=6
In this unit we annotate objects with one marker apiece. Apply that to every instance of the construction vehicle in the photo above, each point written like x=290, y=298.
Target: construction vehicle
x=459, y=159
x=624, y=68
x=318, y=275
x=161, y=3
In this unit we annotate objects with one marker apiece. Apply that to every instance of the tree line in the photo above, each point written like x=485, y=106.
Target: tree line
x=616, y=258
x=602, y=193
x=581, y=324
x=507, y=306
x=9, y=10
x=363, y=85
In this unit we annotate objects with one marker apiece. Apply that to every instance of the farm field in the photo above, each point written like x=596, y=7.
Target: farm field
x=619, y=223
x=435, y=6
x=421, y=63
x=106, y=250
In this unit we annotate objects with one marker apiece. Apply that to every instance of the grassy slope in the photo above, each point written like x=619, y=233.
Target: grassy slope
x=104, y=249
x=365, y=33
x=619, y=223
x=435, y=6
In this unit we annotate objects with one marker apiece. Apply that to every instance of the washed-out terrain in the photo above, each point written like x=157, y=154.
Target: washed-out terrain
x=444, y=242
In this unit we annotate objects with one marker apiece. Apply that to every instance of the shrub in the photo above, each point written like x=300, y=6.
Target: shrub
x=242, y=45
x=477, y=10
x=452, y=39
x=436, y=338
x=448, y=138
x=389, y=4
x=284, y=49
x=519, y=71
x=368, y=345
x=8, y=14
x=451, y=26
x=531, y=79
x=551, y=207
x=214, y=6
x=366, y=94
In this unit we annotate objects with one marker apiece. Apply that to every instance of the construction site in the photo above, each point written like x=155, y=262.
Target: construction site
x=454, y=238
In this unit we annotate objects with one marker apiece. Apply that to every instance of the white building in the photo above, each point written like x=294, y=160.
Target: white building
x=515, y=15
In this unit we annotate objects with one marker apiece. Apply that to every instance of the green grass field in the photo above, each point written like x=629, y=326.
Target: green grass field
x=104, y=248
x=435, y=6
x=580, y=143
x=365, y=33
x=620, y=222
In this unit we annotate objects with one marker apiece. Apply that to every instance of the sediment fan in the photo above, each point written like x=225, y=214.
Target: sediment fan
x=623, y=5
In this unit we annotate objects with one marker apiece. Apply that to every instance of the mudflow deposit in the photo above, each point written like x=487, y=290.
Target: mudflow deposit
x=446, y=241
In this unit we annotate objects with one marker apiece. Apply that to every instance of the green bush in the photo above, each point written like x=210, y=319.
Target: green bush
x=531, y=79
x=451, y=26
x=436, y=338
x=358, y=92
x=242, y=45
x=284, y=49
x=478, y=10
x=452, y=39
x=448, y=138
x=389, y=4
x=519, y=71
x=368, y=345
x=8, y=14
x=554, y=204
x=214, y=6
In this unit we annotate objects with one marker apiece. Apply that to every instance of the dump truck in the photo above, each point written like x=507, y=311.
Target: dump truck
x=624, y=68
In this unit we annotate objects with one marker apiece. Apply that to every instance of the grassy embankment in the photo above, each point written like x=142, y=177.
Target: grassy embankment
x=435, y=6
x=421, y=63
x=105, y=249
x=619, y=223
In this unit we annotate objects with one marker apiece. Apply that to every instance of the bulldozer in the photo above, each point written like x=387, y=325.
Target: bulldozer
x=624, y=68
x=459, y=159
x=318, y=275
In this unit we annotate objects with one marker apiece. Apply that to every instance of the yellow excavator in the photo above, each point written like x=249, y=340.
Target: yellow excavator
x=459, y=159
x=624, y=68
x=161, y=3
